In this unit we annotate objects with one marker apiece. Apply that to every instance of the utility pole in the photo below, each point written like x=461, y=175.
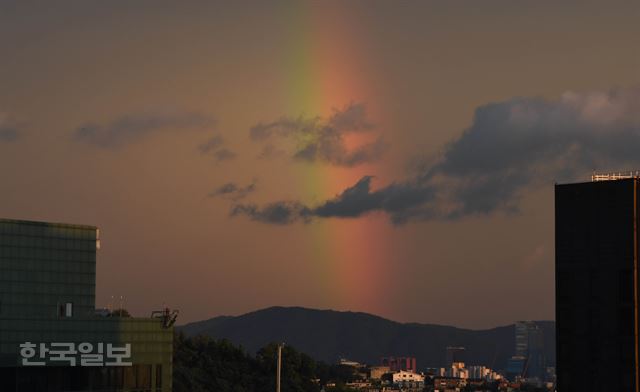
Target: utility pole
x=280, y=345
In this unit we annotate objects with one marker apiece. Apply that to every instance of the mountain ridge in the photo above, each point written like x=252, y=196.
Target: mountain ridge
x=327, y=335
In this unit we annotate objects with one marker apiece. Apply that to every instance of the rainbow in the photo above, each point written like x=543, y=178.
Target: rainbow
x=324, y=70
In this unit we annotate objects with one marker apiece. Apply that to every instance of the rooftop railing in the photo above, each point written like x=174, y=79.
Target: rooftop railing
x=615, y=176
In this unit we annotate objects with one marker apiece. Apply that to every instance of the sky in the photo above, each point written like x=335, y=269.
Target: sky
x=396, y=158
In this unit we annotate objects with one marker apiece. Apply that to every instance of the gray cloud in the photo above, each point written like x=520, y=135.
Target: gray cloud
x=271, y=151
x=8, y=133
x=134, y=127
x=224, y=154
x=352, y=117
x=211, y=145
x=215, y=147
x=528, y=141
x=9, y=130
x=232, y=191
x=397, y=200
x=510, y=146
x=322, y=139
x=280, y=213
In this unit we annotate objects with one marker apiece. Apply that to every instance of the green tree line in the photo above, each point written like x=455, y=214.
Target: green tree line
x=203, y=364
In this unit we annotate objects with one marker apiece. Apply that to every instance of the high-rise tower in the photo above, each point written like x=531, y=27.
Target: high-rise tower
x=597, y=284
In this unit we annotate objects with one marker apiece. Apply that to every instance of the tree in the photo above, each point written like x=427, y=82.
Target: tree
x=205, y=364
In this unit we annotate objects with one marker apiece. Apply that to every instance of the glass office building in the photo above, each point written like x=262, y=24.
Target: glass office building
x=597, y=285
x=47, y=300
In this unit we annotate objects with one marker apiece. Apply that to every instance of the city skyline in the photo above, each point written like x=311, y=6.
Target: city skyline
x=364, y=156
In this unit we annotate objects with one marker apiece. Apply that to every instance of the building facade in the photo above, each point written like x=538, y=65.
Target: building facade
x=596, y=285
x=454, y=354
x=50, y=336
x=408, y=379
x=397, y=364
x=376, y=372
x=529, y=360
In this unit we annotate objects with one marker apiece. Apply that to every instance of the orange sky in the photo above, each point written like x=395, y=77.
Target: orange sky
x=420, y=69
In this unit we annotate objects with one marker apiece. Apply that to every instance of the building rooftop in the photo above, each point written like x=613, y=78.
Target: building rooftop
x=38, y=223
x=614, y=176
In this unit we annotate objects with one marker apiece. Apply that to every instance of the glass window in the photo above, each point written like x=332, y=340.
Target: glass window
x=158, y=377
x=143, y=376
x=130, y=377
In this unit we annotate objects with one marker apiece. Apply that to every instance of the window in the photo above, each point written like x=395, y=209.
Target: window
x=143, y=376
x=158, y=377
x=65, y=310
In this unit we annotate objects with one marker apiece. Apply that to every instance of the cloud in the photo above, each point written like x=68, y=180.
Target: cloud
x=134, y=127
x=9, y=131
x=232, y=191
x=352, y=117
x=322, y=139
x=397, y=200
x=511, y=146
x=270, y=151
x=224, y=154
x=211, y=145
x=280, y=213
x=8, y=134
x=520, y=142
x=214, y=147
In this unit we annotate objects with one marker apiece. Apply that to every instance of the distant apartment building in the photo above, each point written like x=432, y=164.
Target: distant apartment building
x=376, y=372
x=458, y=370
x=50, y=336
x=528, y=361
x=406, y=379
x=397, y=364
x=446, y=384
x=482, y=373
x=516, y=367
x=454, y=354
x=596, y=235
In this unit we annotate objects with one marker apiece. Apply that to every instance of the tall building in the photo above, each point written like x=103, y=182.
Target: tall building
x=51, y=338
x=454, y=354
x=522, y=336
x=597, y=284
x=396, y=364
x=529, y=351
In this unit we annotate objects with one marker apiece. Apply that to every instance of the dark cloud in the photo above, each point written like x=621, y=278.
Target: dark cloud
x=234, y=192
x=527, y=141
x=320, y=139
x=280, y=213
x=211, y=145
x=131, y=128
x=271, y=151
x=215, y=147
x=224, y=154
x=352, y=117
x=395, y=199
x=8, y=133
x=510, y=146
x=9, y=130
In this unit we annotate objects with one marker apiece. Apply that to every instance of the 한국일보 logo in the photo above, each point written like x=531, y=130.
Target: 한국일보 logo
x=85, y=354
